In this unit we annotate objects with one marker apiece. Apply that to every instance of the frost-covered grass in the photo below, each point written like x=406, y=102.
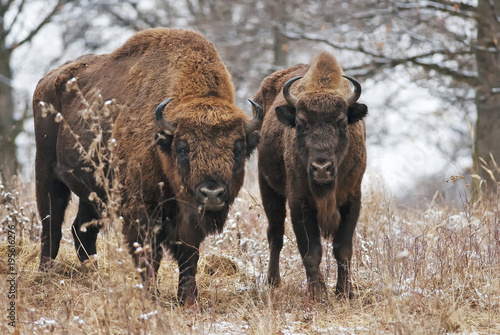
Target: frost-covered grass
x=414, y=272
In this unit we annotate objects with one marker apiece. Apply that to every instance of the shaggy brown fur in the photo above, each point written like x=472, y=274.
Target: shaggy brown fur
x=164, y=183
x=321, y=132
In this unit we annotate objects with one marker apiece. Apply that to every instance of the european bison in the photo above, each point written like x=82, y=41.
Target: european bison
x=181, y=164
x=312, y=153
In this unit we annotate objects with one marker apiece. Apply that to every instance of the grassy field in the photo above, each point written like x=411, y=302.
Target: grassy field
x=426, y=271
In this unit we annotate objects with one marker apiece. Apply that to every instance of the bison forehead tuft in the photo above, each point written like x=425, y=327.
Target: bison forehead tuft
x=210, y=126
x=322, y=104
x=209, y=112
x=324, y=74
x=219, y=121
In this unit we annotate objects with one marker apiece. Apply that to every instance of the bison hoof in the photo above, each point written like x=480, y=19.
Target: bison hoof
x=344, y=294
x=90, y=263
x=153, y=294
x=274, y=282
x=46, y=264
x=316, y=292
x=187, y=294
x=188, y=301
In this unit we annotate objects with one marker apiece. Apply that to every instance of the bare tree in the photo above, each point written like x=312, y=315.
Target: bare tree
x=487, y=52
x=450, y=46
x=247, y=33
x=14, y=32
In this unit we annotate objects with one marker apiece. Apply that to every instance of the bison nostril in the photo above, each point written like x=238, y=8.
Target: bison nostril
x=322, y=167
x=212, y=194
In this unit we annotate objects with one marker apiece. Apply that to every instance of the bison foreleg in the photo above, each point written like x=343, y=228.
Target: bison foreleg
x=275, y=208
x=308, y=237
x=150, y=261
x=84, y=234
x=187, y=255
x=342, y=246
x=147, y=254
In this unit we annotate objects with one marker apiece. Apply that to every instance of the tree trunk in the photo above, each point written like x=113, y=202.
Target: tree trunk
x=279, y=12
x=487, y=134
x=8, y=125
x=280, y=49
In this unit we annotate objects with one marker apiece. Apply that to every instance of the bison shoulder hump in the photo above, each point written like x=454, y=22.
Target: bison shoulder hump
x=55, y=81
x=158, y=39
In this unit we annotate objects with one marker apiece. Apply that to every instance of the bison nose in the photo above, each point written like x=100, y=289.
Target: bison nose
x=321, y=166
x=322, y=170
x=212, y=195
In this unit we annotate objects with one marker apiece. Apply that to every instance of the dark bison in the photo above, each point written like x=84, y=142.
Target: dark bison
x=312, y=153
x=181, y=161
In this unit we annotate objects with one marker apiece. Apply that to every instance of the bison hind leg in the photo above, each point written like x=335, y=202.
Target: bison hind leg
x=275, y=208
x=85, y=232
x=52, y=199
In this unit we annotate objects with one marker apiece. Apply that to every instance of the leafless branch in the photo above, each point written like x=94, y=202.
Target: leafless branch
x=6, y=7
x=380, y=60
x=454, y=8
x=18, y=13
x=124, y=20
x=470, y=78
x=35, y=30
x=145, y=17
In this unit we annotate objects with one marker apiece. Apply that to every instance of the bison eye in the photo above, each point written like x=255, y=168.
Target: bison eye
x=300, y=125
x=238, y=153
x=182, y=150
x=343, y=128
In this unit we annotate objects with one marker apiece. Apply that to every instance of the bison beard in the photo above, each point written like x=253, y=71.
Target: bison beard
x=312, y=155
x=174, y=190
x=328, y=215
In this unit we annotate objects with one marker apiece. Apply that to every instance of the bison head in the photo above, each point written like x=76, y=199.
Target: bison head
x=321, y=120
x=203, y=152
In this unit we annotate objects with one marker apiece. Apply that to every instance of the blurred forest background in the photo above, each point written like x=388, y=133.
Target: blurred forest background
x=430, y=70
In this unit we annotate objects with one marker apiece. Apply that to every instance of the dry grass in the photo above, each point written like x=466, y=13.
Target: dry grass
x=415, y=272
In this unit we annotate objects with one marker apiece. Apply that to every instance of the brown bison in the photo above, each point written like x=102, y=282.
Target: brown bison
x=181, y=164
x=312, y=153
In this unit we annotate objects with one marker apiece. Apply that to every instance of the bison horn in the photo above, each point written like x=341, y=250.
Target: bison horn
x=292, y=101
x=160, y=120
x=357, y=90
x=256, y=122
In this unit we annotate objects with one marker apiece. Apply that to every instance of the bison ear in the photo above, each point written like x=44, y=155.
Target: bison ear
x=164, y=141
x=356, y=112
x=286, y=115
x=252, y=142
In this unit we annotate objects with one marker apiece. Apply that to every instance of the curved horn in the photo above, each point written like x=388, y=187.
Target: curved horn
x=292, y=101
x=357, y=90
x=160, y=120
x=256, y=122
